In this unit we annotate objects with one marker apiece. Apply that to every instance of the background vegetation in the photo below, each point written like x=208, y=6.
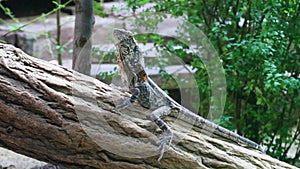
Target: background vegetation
x=258, y=42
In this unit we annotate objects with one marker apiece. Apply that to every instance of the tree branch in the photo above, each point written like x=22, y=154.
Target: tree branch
x=59, y=116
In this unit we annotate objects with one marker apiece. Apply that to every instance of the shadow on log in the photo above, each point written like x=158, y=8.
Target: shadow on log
x=59, y=116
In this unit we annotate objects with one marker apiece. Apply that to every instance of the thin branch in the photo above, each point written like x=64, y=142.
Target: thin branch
x=58, y=35
x=38, y=18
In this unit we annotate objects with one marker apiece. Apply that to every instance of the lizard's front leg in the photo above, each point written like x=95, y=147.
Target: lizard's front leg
x=156, y=117
x=126, y=103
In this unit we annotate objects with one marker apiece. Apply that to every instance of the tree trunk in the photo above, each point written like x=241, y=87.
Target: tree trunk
x=59, y=116
x=82, y=48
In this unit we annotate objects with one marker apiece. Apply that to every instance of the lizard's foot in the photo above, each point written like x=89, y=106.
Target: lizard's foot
x=166, y=140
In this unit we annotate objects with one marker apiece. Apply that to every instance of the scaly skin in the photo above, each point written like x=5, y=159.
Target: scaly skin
x=150, y=96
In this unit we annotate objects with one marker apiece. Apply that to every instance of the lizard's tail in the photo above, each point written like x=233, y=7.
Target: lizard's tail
x=218, y=130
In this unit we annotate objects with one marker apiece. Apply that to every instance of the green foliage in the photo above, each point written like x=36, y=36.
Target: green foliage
x=98, y=9
x=137, y=4
x=9, y=13
x=107, y=76
x=258, y=42
x=104, y=55
x=17, y=26
x=58, y=5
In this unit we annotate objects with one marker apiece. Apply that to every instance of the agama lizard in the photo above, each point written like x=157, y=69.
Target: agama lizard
x=150, y=96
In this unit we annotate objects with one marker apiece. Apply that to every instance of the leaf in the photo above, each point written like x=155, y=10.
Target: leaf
x=56, y=3
x=258, y=91
x=14, y=28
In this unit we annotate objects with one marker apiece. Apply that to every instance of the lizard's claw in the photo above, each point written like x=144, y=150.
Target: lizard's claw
x=166, y=140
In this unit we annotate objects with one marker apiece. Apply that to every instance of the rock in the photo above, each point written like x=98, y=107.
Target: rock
x=21, y=40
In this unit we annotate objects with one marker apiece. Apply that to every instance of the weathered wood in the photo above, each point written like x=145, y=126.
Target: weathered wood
x=56, y=115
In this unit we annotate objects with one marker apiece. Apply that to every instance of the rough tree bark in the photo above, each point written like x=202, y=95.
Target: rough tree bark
x=56, y=115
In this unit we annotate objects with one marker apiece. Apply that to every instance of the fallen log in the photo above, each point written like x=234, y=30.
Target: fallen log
x=62, y=117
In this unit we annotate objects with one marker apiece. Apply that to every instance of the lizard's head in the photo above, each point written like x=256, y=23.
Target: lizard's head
x=130, y=61
x=121, y=36
x=125, y=44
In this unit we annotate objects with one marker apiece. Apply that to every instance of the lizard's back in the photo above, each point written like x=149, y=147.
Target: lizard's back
x=152, y=97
